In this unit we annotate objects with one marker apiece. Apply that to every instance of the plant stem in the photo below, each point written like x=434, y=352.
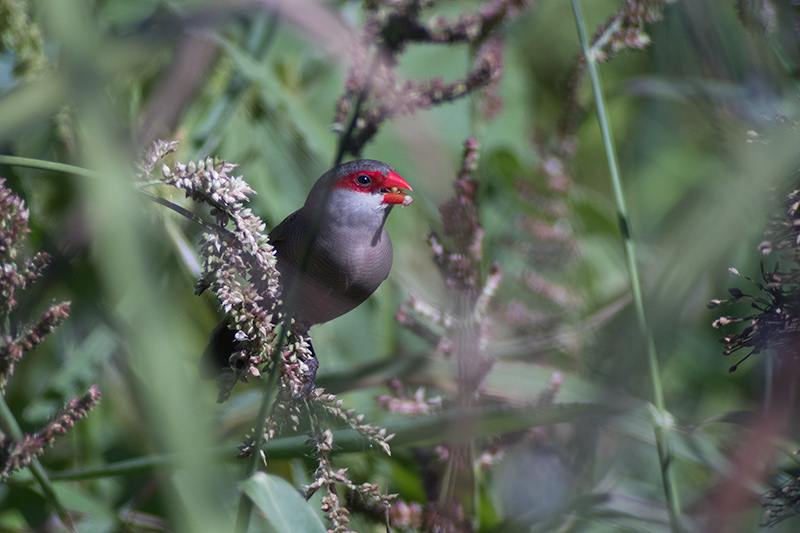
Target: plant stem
x=78, y=171
x=36, y=469
x=47, y=165
x=245, y=505
x=660, y=416
x=270, y=392
x=270, y=389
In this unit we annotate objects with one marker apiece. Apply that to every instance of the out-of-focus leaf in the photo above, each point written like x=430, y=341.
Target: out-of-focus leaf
x=281, y=505
x=695, y=446
x=519, y=382
x=123, y=13
x=625, y=512
x=489, y=421
x=370, y=374
x=450, y=425
x=314, y=133
x=447, y=426
x=95, y=515
x=31, y=103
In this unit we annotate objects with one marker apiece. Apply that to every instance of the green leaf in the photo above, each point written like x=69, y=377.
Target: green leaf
x=281, y=505
x=274, y=94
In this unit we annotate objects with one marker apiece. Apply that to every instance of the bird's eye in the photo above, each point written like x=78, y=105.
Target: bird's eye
x=363, y=180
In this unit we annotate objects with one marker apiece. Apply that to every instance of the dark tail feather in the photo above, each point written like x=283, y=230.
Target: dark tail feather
x=222, y=344
x=216, y=356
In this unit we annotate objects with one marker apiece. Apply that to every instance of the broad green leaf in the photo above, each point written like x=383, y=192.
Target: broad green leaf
x=281, y=505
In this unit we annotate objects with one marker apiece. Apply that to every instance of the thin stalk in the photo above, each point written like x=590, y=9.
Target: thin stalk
x=270, y=390
x=660, y=417
x=769, y=381
x=36, y=469
x=78, y=171
x=459, y=480
x=51, y=166
x=245, y=509
x=185, y=213
x=475, y=123
x=345, y=139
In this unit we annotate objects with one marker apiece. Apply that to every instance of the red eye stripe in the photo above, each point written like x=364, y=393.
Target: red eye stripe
x=373, y=181
x=351, y=181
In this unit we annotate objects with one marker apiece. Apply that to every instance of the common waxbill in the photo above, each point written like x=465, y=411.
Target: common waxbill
x=333, y=252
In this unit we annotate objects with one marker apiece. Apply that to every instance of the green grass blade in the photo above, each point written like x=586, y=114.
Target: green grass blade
x=281, y=505
x=661, y=418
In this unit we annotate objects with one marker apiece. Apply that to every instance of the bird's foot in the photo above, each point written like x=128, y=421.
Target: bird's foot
x=303, y=370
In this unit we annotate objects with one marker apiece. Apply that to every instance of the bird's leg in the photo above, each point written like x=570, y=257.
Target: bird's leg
x=312, y=363
x=311, y=373
x=303, y=370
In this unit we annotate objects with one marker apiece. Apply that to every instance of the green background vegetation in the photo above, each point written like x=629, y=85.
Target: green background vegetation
x=699, y=196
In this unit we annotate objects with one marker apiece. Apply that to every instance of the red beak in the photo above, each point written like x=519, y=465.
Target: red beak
x=394, y=181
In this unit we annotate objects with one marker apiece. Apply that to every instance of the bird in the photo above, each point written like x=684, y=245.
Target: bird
x=333, y=252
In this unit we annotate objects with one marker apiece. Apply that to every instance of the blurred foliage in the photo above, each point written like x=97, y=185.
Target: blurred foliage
x=558, y=436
